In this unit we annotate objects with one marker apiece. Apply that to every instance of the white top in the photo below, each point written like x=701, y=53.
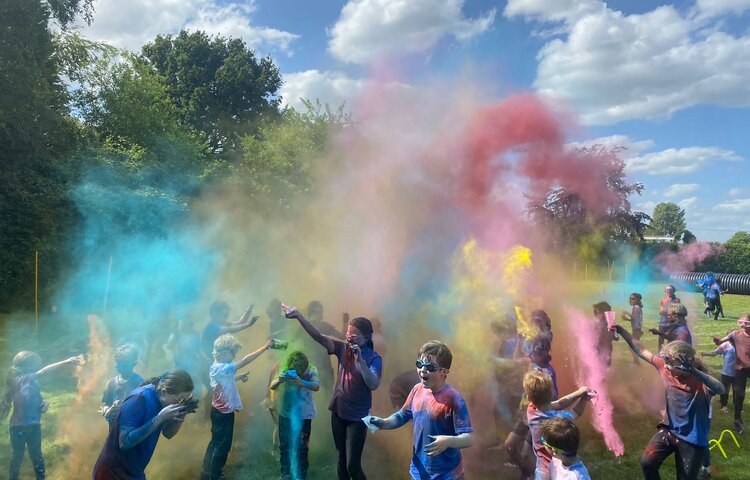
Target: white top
x=577, y=471
x=226, y=397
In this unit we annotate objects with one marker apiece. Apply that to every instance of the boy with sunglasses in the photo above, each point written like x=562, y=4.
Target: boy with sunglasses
x=441, y=420
x=561, y=437
x=741, y=340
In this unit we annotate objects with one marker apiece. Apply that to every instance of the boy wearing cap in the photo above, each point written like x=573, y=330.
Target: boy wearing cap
x=120, y=386
x=441, y=420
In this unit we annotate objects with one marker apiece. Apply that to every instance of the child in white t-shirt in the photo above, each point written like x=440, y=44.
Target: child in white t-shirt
x=225, y=400
x=560, y=437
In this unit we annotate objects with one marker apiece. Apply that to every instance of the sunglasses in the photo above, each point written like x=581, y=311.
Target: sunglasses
x=557, y=450
x=743, y=323
x=429, y=366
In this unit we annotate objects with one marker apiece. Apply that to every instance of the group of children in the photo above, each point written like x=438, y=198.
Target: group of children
x=543, y=443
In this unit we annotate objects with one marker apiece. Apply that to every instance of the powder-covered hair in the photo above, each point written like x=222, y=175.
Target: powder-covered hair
x=538, y=387
x=297, y=361
x=226, y=343
x=679, y=349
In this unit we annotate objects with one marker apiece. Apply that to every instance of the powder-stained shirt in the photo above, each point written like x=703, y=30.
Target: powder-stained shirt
x=118, y=388
x=435, y=413
x=114, y=463
x=297, y=402
x=636, y=317
x=679, y=332
x=352, y=398
x=726, y=350
x=536, y=417
x=688, y=401
x=742, y=349
x=577, y=471
x=226, y=396
x=27, y=401
x=664, y=304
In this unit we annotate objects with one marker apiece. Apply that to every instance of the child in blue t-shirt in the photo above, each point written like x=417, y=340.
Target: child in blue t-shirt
x=726, y=349
x=23, y=393
x=297, y=379
x=688, y=391
x=441, y=420
x=560, y=438
x=120, y=386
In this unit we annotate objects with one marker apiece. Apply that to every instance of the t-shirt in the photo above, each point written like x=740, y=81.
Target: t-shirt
x=680, y=332
x=576, y=471
x=118, y=388
x=688, y=403
x=27, y=401
x=297, y=402
x=742, y=349
x=210, y=334
x=636, y=316
x=186, y=349
x=726, y=349
x=664, y=310
x=113, y=463
x=352, y=398
x=435, y=413
x=226, y=396
x=536, y=417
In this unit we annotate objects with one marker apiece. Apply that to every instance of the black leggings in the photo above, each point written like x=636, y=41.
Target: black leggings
x=728, y=382
x=688, y=457
x=349, y=437
x=21, y=437
x=738, y=391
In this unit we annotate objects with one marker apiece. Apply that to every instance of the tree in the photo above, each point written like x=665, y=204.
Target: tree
x=688, y=237
x=219, y=87
x=573, y=223
x=736, y=256
x=668, y=220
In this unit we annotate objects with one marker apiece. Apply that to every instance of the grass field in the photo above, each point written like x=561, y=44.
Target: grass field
x=387, y=453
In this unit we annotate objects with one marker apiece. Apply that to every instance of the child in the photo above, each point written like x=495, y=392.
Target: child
x=157, y=408
x=23, y=393
x=360, y=368
x=298, y=380
x=538, y=388
x=741, y=340
x=441, y=420
x=726, y=350
x=225, y=401
x=635, y=317
x=605, y=335
x=560, y=437
x=688, y=391
x=120, y=386
x=664, y=304
x=677, y=328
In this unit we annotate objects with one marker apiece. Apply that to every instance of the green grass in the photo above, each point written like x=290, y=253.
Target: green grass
x=387, y=453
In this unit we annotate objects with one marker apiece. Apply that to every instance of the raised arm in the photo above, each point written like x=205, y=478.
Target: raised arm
x=54, y=366
x=709, y=381
x=244, y=322
x=569, y=399
x=252, y=356
x=635, y=345
x=327, y=342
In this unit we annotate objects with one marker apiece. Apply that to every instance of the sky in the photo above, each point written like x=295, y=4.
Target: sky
x=665, y=80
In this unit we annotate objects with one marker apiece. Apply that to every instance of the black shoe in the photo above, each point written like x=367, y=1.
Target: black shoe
x=739, y=427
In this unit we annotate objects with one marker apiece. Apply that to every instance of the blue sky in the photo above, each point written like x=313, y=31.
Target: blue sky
x=669, y=81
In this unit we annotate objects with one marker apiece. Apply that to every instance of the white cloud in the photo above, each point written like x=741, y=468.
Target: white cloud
x=737, y=206
x=613, y=67
x=646, y=207
x=631, y=147
x=736, y=192
x=333, y=88
x=679, y=160
x=368, y=29
x=711, y=8
x=681, y=189
x=688, y=204
x=132, y=23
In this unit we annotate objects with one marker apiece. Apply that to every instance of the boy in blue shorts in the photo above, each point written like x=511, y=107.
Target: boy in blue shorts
x=441, y=420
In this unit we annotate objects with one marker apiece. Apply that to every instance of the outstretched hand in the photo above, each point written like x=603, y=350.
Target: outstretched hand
x=289, y=312
x=717, y=341
x=377, y=421
x=253, y=320
x=653, y=331
x=243, y=377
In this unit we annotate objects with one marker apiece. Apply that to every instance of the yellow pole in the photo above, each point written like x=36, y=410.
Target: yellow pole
x=36, y=293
